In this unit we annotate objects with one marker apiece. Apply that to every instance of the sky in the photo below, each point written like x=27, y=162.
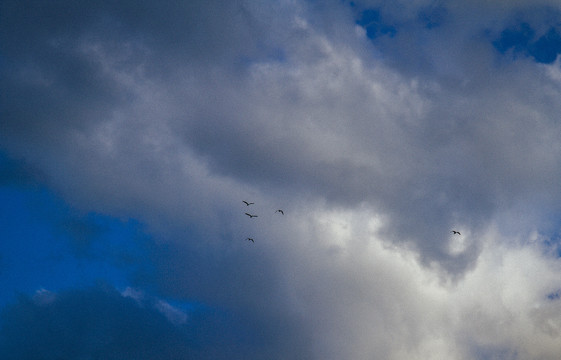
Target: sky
x=131, y=132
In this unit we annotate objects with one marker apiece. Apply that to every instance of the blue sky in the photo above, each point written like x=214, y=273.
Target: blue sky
x=131, y=132
x=48, y=247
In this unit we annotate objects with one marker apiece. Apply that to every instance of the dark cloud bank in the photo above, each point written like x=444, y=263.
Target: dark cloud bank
x=100, y=323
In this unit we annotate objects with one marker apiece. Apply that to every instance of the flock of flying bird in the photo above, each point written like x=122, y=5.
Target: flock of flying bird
x=251, y=216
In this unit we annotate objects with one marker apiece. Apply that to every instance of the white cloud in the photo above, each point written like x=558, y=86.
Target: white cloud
x=135, y=294
x=44, y=297
x=370, y=300
x=173, y=314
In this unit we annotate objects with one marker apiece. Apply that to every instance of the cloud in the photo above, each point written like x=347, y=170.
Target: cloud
x=172, y=313
x=353, y=295
x=375, y=144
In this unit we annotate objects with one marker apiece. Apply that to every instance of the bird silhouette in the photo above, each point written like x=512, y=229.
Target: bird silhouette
x=455, y=232
x=247, y=203
x=251, y=216
x=280, y=211
x=250, y=239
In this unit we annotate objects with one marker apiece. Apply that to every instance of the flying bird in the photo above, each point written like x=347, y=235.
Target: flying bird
x=455, y=232
x=280, y=211
x=247, y=203
x=250, y=239
x=251, y=216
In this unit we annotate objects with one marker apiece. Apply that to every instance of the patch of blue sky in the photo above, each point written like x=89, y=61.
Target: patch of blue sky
x=553, y=244
x=522, y=40
x=516, y=38
x=377, y=25
x=37, y=251
x=554, y=295
x=547, y=47
x=372, y=21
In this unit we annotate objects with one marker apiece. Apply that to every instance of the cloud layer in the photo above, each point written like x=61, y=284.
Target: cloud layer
x=377, y=134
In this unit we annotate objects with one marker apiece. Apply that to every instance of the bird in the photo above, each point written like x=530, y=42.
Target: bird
x=455, y=232
x=280, y=211
x=247, y=203
x=250, y=239
x=251, y=216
